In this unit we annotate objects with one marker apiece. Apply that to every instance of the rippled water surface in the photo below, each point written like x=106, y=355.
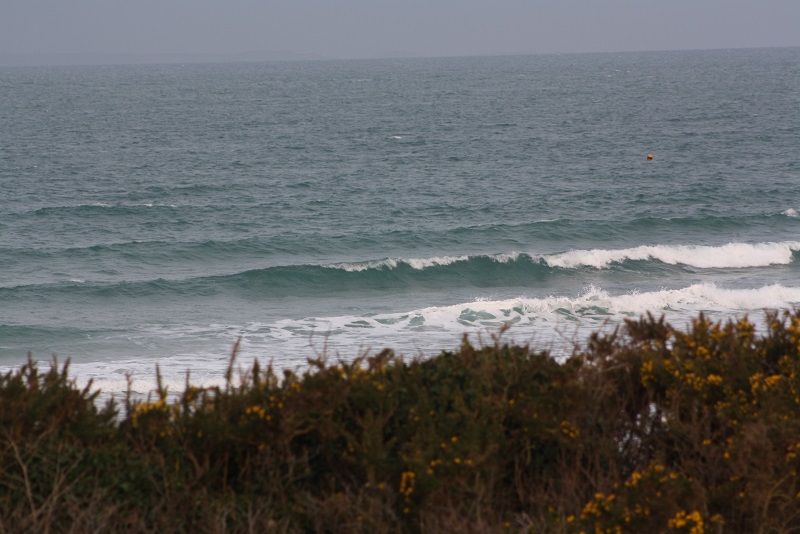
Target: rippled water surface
x=157, y=213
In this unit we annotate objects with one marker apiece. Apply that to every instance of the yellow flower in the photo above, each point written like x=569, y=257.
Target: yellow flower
x=683, y=519
x=714, y=380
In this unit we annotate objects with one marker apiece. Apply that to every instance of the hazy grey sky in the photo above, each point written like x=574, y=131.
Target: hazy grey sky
x=370, y=28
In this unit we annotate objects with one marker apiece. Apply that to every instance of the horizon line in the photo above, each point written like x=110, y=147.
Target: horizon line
x=67, y=59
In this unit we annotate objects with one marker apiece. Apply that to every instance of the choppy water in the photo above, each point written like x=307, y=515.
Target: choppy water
x=157, y=213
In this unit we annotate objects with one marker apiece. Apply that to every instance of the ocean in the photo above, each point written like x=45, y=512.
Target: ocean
x=154, y=214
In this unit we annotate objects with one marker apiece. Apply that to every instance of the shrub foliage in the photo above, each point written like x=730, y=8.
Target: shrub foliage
x=648, y=428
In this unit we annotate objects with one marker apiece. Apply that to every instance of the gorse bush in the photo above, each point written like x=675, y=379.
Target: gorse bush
x=648, y=428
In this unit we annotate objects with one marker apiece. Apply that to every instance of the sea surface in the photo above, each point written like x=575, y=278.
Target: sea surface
x=154, y=214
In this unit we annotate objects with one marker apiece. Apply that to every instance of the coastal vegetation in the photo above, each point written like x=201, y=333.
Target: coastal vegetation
x=647, y=428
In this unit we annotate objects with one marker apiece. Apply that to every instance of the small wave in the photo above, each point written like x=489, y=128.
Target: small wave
x=732, y=255
x=391, y=263
x=155, y=205
x=791, y=212
x=420, y=264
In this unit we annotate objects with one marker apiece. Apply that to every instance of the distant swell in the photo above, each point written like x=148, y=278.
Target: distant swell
x=578, y=228
x=89, y=210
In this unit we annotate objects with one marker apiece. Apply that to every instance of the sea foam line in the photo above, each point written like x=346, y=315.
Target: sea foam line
x=691, y=299
x=552, y=321
x=594, y=303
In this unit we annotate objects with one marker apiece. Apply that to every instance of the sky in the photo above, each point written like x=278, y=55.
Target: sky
x=386, y=28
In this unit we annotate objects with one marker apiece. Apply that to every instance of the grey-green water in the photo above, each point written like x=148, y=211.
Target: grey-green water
x=158, y=213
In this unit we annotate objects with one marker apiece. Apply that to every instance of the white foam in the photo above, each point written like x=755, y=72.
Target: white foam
x=420, y=263
x=388, y=263
x=791, y=212
x=391, y=263
x=728, y=256
x=423, y=263
x=533, y=315
x=732, y=255
x=505, y=258
x=557, y=322
x=595, y=301
x=552, y=321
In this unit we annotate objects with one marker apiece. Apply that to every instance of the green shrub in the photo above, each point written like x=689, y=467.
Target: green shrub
x=646, y=428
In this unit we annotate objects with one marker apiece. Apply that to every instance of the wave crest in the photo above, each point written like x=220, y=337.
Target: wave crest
x=732, y=255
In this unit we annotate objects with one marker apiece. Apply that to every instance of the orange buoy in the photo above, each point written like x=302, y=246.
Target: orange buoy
x=649, y=157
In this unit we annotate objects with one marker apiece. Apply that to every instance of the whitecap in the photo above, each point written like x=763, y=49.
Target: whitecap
x=731, y=255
